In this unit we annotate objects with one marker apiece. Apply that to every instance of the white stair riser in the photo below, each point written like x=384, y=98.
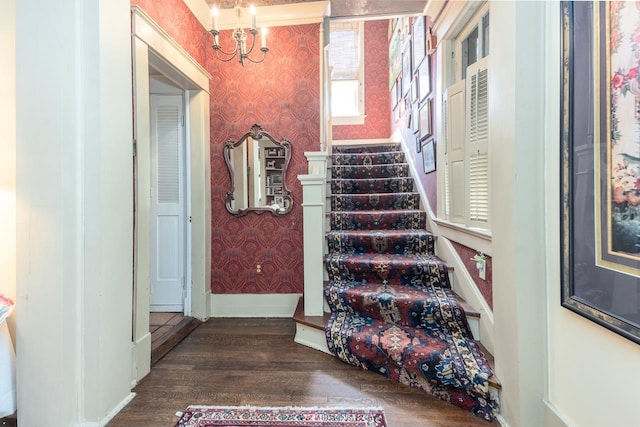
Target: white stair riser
x=311, y=337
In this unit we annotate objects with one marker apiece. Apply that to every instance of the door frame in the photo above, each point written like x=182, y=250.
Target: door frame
x=153, y=47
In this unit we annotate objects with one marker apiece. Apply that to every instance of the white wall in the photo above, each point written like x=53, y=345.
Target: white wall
x=593, y=372
x=516, y=131
x=8, y=154
x=74, y=210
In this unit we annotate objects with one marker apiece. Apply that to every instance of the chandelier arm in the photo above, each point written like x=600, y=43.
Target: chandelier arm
x=264, y=51
x=253, y=42
x=230, y=56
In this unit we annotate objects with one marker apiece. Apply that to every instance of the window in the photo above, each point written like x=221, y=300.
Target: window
x=347, y=72
x=465, y=180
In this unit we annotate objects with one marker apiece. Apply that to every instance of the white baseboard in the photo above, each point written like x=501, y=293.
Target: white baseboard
x=117, y=409
x=311, y=337
x=141, y=358
x=253, y=305
x=550, y=415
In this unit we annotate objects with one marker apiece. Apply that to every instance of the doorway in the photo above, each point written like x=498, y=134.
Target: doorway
x=156, y=55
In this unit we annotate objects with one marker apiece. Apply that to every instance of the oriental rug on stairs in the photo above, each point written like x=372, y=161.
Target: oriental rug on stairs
x=392, y=307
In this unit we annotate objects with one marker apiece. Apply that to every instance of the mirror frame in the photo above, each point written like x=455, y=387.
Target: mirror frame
x=257, y=132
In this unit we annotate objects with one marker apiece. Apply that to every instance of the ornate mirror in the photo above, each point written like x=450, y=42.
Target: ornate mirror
x=257, y=165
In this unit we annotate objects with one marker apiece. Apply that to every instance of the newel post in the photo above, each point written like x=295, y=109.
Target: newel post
x=313, y=211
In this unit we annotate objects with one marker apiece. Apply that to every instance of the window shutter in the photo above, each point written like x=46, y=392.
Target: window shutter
x=445, y=161
x=477, y=155
x=454, y=179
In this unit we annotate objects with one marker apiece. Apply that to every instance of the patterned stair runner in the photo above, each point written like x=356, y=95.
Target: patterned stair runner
x=392, y=307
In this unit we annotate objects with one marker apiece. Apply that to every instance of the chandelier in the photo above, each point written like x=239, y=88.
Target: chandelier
x=239, y=36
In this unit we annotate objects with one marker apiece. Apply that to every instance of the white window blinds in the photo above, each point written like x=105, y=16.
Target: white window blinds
x=344, y=50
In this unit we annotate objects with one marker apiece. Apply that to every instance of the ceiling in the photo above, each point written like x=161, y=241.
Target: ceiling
x=342, y=8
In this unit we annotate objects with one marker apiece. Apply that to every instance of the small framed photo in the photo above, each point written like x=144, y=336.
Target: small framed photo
x=406, y=69
x=419, y=40
x=394, y=95
x=414, y=89
x=415, y=127
x=429, y=155
x=276, y=179
x=424, y=78
x=425, y=120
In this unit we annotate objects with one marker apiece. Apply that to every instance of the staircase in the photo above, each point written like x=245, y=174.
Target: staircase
x=393, y=310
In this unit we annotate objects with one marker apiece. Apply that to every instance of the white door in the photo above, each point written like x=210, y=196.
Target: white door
x=167, y=204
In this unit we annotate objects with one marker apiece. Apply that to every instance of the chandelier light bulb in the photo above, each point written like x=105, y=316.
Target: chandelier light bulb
x=264, y=37
x=214, y=12
x=252, y=10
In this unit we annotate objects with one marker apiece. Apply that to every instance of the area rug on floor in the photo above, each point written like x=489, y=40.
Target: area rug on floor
x=241, y=416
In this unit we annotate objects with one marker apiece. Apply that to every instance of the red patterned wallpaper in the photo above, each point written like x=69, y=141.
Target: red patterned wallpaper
x=283, y=95
x=177, y=20
x=484, y=286
x=376, y=94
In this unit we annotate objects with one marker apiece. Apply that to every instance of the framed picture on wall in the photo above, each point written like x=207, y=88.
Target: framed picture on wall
x=429, y=155
x=406, y=69
x=395, y=47
x=419, y=40
x=424, y=119
x=414, y=89
x=415, y=127
x=394, y=95
x=424, y=78
x=600, y=165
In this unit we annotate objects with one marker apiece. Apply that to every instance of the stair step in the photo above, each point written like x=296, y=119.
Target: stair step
x=390, y=268
x=367, y=158
x=320, y=322
x=384, y=201
x=393, y=170
x=377, y=241
x=372, y=185
x=367, y=148
x=429, y=307
x=404, y=219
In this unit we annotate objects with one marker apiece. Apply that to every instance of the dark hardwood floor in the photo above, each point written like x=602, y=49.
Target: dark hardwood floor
x=255, y=362
x=167, y=330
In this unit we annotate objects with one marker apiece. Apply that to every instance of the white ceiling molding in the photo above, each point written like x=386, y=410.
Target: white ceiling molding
x=267, y=16
x=201, y=11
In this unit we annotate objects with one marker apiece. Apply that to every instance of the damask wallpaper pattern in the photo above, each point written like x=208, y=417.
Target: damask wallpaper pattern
x=177, y=20
x=283, y=95
x=376, y=102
